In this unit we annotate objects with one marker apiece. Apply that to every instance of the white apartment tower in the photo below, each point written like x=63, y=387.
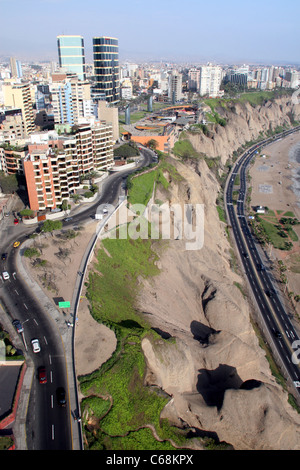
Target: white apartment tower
x=210, y=80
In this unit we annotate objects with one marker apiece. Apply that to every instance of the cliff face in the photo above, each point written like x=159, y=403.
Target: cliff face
x=216, y=373
x=244, y=124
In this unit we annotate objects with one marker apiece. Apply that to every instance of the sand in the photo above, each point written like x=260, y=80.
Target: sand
x=275, y=181
x=94, y=343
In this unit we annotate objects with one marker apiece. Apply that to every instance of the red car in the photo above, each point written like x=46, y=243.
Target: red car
x=42, y=375
x=16, y=221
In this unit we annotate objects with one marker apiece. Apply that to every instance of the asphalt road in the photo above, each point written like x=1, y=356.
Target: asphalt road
x=260, y=279
x=48, y=425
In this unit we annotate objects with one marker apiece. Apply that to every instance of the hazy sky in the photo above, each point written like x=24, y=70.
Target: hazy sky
x=183, y=30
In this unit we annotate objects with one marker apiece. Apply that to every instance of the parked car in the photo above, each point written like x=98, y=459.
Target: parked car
x=61, y=396
x=5, y=276
x=35, y=345
x=18, y=326
x=42, y=375
x=16, y=221
x=67, y=219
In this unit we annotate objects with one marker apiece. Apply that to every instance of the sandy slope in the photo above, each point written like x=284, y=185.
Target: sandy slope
x=194, y=300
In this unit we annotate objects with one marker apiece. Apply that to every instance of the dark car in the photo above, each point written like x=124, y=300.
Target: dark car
x=246, y=255
x=18, y=326
x=261, y=267
x=270, y=293
x=277, y=334
x=4, y=256
x=42, y=375
x=61, y=396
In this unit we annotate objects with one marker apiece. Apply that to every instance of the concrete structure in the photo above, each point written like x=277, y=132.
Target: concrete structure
x=71, y=99
x=71, y=54
x=210, y=80
x=54, y=168
x=12, y=127
x=106, y=69
x=175, y=86
x=194, y=80
x=109, y=115
x=126, y=90
x=164, y=142
x=18, y=95
x=16, y=68
x=11, y=159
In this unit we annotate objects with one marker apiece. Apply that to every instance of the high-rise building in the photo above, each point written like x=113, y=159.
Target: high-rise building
x=210, y=80
x=71, y=99
x=194, y=80
x=106, y=69
x=18, y=95
x=175, y=86
x=71, y=54
x=53, y=169
x=16, y=68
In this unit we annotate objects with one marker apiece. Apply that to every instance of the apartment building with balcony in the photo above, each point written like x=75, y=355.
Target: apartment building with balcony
x=18, y=95
x=54, y=169
x=210, y=80
x=11, y=158
x=71, y=99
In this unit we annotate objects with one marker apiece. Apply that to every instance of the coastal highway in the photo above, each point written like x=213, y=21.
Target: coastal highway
x=274, y=315
x=48, y=424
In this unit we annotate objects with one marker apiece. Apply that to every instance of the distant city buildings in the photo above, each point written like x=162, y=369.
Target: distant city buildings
x=16, y=68
x=59, y=122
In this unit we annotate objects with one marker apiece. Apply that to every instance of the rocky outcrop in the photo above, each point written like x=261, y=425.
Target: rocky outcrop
x=245, y=123
x=212, y=365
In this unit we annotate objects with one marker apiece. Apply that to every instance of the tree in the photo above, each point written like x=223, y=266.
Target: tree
x=51, y=225
x=31, y=252
x=152, y=144
x=27, y=213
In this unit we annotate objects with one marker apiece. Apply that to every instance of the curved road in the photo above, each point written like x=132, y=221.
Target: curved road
x=260, y=280
x=48, y=425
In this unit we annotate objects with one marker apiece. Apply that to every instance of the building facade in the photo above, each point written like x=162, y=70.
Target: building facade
x=175, y=86
x=18, y=96
x=210, y=80
x=54, y=169
x=106, y=69
x=71, y=100
x=71, y=54
x=194, y=80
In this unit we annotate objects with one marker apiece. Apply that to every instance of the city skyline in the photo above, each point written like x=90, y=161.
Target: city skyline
x=169, y=30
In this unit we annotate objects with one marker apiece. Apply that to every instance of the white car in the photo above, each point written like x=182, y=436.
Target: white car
x=5, y=275
x=35, y=345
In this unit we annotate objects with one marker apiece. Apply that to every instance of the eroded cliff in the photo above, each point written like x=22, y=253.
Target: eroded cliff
x=215, y=371
x=244, y=123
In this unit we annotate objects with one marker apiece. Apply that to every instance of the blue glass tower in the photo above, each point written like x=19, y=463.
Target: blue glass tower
x=71, y=54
